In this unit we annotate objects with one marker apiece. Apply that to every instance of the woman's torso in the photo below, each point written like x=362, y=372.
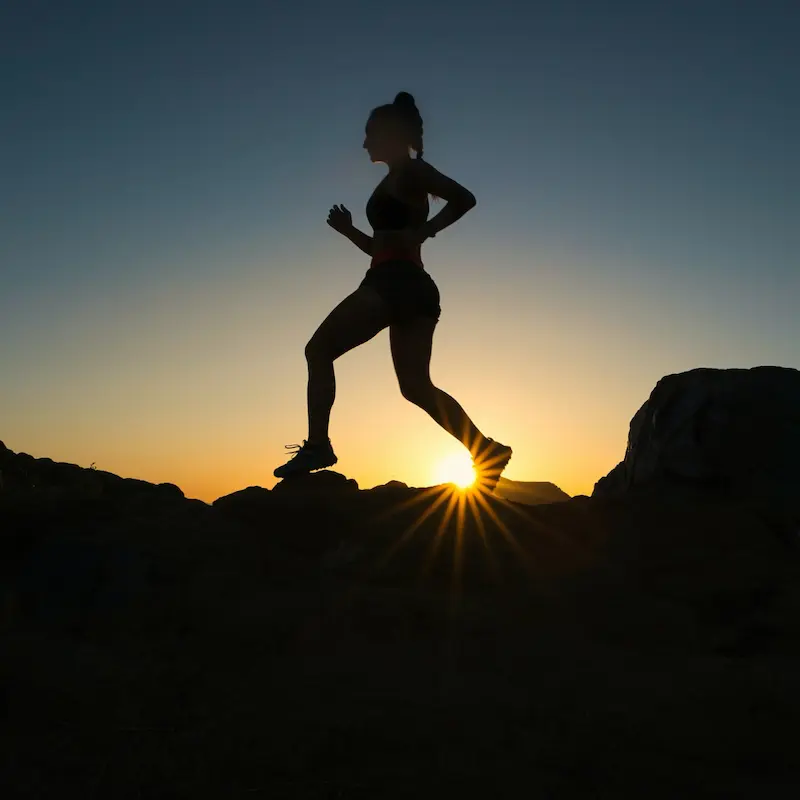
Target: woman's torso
x=394, y=206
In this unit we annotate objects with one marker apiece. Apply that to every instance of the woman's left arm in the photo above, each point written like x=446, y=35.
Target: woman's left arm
x=459, y=199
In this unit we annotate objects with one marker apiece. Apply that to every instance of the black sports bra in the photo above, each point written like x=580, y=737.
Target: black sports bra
x=387, y=213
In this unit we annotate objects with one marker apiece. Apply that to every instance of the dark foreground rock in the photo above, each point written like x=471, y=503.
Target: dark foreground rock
x=396, y=642
x=315, y=484
x=731, y=429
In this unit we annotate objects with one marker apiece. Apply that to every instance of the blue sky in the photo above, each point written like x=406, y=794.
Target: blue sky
x=168, y=168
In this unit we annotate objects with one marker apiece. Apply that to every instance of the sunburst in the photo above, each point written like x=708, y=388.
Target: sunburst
x=457, y=469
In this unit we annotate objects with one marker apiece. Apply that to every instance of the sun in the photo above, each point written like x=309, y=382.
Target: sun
x=456, y=468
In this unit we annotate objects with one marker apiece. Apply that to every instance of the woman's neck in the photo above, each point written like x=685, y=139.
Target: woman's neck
x=397, y=163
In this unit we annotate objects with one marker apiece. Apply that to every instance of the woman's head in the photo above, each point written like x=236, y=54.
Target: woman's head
x=393, y=129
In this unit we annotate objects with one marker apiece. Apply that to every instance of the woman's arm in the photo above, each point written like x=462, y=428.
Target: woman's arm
x=451, y=213
x=459, y=199
x=359, y=239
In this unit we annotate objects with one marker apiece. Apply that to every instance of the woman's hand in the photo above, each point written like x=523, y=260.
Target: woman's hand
x=340, y=219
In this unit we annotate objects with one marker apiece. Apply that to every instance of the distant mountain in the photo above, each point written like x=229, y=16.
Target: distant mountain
x=532, y=493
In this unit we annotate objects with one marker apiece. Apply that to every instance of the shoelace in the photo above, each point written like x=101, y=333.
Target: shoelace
x=295, y=449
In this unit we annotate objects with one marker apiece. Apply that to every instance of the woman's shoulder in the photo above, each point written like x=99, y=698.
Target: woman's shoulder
x=410, y=179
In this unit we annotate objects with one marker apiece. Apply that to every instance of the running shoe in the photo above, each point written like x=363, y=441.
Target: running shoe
x=490, y=463
x=306, y=458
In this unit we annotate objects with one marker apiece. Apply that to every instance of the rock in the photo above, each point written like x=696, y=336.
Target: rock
x=391, y=485
x=170, y=490
x=646, y=644
x=531, y=493
x=66, y=580
x=391, y=492
x=252, y=503
x=323, y=482
x=250, y=493
x=731, y=429
x=390, y=489
x=56, y=486
x=303, y=496
x=134, y=486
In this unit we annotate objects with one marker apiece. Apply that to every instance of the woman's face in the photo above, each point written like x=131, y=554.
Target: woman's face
x=383, y=139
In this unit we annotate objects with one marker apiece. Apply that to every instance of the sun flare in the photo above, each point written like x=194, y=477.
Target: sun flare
x=457, y=469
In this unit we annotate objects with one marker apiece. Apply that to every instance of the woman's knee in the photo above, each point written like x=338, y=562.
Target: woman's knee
x=419, y=392
x=318, y=351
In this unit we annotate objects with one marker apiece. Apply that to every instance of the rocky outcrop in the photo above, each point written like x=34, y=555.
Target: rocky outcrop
x=22, y=474
x=323, y=482
x=735, y=430
x=530, y=493
x=315, y=640
x=389, y=486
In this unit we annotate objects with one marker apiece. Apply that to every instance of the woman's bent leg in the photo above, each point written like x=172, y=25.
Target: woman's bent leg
x=357, y=319
x=411, y=352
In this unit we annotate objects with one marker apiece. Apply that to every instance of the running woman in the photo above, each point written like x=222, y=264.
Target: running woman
x=396, y=292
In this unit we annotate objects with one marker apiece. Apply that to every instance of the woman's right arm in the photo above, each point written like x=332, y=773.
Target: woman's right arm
x=359, y=239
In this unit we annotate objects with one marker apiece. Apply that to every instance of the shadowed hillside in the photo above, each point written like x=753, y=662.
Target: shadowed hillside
x=318, y=640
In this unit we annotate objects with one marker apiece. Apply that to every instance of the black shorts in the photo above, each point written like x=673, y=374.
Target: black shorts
x=406, y=288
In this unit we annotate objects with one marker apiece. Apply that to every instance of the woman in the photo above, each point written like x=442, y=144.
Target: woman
x=396, y=293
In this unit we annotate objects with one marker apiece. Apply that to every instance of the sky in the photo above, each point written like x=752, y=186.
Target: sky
x=167, y=169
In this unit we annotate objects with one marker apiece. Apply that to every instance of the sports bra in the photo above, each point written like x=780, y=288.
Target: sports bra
x=386, y=213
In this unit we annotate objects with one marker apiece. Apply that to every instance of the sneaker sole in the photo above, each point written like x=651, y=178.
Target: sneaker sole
x=281, y=473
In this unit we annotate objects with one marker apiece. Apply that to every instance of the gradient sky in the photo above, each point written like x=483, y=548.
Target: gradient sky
x=167, y=168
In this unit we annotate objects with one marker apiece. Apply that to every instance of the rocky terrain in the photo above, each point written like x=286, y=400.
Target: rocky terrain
x=322, y=641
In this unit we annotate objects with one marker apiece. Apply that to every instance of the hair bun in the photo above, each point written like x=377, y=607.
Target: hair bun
x=404, y=100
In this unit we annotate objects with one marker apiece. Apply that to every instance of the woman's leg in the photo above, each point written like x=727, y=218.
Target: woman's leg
x=358, y=318
x=412, y=343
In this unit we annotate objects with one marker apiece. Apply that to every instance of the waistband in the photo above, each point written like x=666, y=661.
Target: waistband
x=394, y=255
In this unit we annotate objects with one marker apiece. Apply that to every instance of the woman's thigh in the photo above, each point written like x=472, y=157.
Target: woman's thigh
x=412, y=343
x=409, y=291
x=357, y=319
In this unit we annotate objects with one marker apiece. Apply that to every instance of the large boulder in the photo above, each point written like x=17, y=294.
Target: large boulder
x=737, y=430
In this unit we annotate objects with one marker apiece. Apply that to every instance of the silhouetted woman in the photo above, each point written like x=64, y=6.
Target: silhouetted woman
x=396, y=293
